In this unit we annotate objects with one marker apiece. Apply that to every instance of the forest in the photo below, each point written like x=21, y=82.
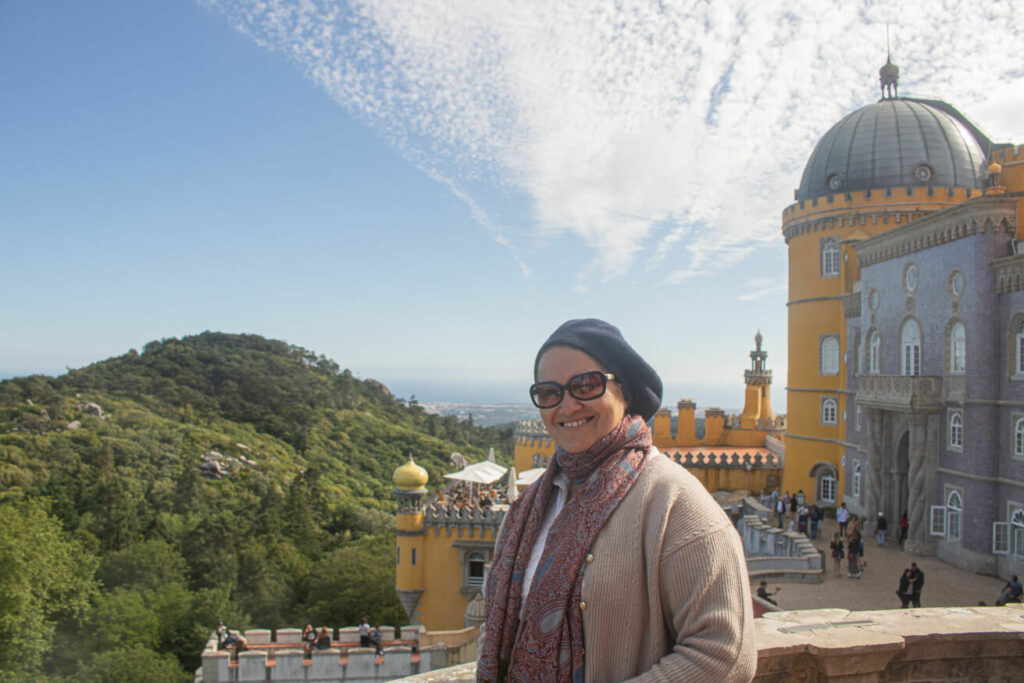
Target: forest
x=216, y=477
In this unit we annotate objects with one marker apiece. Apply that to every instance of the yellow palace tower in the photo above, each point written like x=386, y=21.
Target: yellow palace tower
x=879, y=168
x=410, y=488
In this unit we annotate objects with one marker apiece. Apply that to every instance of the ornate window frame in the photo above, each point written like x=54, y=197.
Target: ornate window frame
x=1015, y=347
x=955, y=431
x=829, y=256
x=911, y=353
x=1018, y=435
x=829, y=410
x=956, y=347
x=828, y=355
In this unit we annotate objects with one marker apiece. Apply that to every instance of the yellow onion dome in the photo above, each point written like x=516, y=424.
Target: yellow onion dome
x=410, y=476
x=994, y=167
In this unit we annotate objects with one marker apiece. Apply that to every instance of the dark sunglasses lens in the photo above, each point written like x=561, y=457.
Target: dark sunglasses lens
x=546, y=395
x=587, y=386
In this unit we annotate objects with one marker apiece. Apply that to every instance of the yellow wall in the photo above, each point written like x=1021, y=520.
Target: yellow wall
x=525, y=449
x=442, y=605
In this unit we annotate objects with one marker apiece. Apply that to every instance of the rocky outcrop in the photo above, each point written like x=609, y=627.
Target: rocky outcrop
x=217, y=465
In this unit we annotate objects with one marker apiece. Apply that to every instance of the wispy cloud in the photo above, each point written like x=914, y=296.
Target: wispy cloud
x=665, y=134
x=760, y=287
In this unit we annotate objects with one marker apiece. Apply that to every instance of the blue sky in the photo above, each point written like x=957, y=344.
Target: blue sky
x=424, y=191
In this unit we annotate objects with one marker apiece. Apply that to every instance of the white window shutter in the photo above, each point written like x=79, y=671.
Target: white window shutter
x=938, y=520
x=1000, y=538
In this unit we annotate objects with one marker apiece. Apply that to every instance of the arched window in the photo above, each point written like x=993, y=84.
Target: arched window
x=829, y=411
x=957, y=349
x=830, y=257
x=828, y=355
x=956, y=431
x=475, y=569
x=1017, y=533
x=1018, y=438
x=1018, y=345
x=856, y=479
x=910, y=342
x=874, y=346
x=954, y=509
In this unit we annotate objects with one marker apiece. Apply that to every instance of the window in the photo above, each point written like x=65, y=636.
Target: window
x=910, y=341
x=954, y=507
x=414, y=557
x=398, y=555
x=857, y=424
x=910, y=278
x=475, y=570
x=1018, y=438
x=830, y=257
x=874, y=345
x=957, y=349
x=1000, y=538
x=938, y=519
x=1017, y=533
x=956, y=430
x=829, y=411
x=856, y=479
x=827, y=488
x=828, y=355
x=1019, y=346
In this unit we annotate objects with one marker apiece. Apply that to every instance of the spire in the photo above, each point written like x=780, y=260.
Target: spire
x=889, y=74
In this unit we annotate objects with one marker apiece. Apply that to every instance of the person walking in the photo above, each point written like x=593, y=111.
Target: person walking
x=880, y=526
x=843, y=517
x=780, y=510
x=916, y=583
x=837, y=553
x=815, y=520
x=904, y=528
x=904, y=588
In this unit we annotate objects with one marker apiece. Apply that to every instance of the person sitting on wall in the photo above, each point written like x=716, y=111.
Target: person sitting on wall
x=232, y=642
x=762, y=592
x=1011, y=592
x=308, y=638
x=323, y=641
x=377, y=639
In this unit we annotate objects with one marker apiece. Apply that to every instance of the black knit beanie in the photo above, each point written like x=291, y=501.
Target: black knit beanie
x=641, y=385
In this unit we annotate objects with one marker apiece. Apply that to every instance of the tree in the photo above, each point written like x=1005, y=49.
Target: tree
x=44, y=576
x=132, y=663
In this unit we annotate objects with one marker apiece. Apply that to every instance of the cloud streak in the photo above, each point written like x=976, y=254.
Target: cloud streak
x=664, y=135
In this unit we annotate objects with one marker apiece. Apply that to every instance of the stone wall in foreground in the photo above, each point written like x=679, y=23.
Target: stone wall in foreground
x=926, y=644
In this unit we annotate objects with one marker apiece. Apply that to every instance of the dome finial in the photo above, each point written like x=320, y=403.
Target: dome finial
x=889, y=74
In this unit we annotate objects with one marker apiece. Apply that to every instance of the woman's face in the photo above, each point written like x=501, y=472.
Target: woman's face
x=575, y=425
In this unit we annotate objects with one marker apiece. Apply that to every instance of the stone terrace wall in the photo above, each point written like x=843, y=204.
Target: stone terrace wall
x=822, y=646
x=283, y=659
x=772, y=552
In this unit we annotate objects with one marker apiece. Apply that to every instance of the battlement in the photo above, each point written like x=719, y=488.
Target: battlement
x=281, y=657
x=878, y=200
x=725, y=458
x=1014, y=154
x=451, y=517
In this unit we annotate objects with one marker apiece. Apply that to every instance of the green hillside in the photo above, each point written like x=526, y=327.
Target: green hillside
x=214, y=477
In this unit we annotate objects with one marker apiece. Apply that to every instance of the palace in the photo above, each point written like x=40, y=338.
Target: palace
x=906, y=329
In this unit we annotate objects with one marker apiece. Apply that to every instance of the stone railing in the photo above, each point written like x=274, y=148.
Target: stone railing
x=722, y=458
x=773, y=552
x=283, y=658
x=450, y=516
x=899, y=392
x=929, y=644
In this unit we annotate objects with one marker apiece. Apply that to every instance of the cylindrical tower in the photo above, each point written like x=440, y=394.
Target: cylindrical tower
x=880, y=167
x=410, y=488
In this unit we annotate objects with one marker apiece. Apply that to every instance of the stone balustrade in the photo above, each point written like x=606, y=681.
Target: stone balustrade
x=774, y=552
x=826, y=645
x=283, y=658
x=899, y=392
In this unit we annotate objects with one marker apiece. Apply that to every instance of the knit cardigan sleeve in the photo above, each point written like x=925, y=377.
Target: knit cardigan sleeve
x=705, y=590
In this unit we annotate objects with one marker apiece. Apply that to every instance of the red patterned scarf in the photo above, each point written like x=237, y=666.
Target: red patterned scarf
x=547, y=644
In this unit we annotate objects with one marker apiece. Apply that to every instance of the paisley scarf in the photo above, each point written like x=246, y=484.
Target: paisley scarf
x=547, y=643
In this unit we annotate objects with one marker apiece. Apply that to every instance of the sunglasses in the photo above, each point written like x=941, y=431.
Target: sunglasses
x=585, y=386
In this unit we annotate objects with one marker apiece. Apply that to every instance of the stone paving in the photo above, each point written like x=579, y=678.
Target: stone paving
x=944, y=584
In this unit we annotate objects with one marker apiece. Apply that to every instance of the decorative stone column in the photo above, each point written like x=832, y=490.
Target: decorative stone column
x=917, y=479
x=876, y=422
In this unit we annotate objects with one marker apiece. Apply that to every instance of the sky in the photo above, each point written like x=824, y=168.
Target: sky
x=424, y=191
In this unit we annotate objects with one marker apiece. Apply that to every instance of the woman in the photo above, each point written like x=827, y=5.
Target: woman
x=853, y=548
x=616, y=563
x=837, y=553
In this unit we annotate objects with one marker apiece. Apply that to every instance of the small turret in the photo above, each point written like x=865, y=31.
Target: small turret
x=410, y=477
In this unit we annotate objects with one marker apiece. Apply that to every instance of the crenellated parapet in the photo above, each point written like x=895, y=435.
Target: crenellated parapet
x=473, y=520
x=746, y=459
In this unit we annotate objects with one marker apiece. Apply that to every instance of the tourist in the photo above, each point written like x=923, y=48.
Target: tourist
x=837, y=553
x=616, y=562
x=1011, y=592
x=323, y=641
x=377, y=639
x=916, y=583
x=815, y=520
x=854, y=547
x=780, y=510
x=762, y=592
x=364, y=633
x=904, y=588
x=881, y=524
x=904, y=528
x=843, y=517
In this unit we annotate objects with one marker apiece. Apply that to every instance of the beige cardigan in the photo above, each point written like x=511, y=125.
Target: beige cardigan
x=665, y=587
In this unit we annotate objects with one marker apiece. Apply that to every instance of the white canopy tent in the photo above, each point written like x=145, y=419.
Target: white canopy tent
x=529, y=476
x=485, y=472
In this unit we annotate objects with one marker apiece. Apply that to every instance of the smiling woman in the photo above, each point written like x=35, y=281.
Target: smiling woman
x=616, y=563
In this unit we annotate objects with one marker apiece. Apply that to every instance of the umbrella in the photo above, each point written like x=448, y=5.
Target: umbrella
x=529, y=476
x=485, y=472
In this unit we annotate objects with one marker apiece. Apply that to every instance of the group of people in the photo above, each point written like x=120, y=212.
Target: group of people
x=312, y=640
x=1011, y=592
x=911, y=583
x=805, y=518
x=229, y=640
x=466, y=496
x=371, y=637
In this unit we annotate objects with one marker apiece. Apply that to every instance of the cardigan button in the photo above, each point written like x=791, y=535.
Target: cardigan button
x=583, y=606
x=590, y=558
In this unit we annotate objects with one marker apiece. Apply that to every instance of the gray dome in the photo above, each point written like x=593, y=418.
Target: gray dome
x=896, y=143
